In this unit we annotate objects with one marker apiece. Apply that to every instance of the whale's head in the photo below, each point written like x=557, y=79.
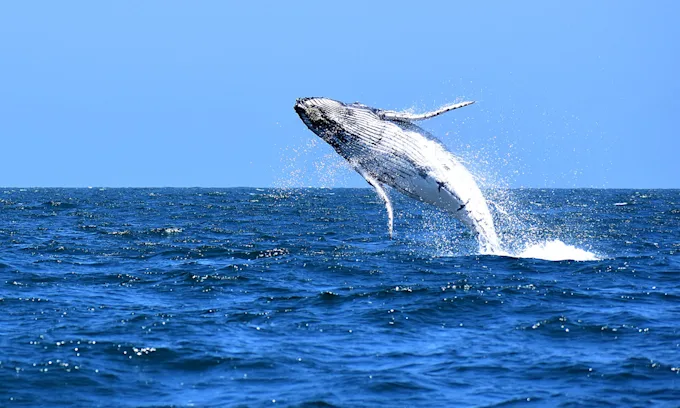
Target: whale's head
x=320, y=115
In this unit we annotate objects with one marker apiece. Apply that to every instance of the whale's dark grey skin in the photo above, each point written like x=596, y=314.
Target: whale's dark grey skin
x=386, y=148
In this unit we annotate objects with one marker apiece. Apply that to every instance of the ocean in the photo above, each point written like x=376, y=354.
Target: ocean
x=297, y=297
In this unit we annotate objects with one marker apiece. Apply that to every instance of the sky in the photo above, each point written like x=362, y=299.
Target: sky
x=201, y=94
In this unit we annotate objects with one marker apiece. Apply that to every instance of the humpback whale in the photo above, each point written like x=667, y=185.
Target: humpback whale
x=387, y=148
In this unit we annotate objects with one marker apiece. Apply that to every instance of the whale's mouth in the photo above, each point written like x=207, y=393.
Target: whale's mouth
x=301, y=110
x=312, y=115
x=302, y=105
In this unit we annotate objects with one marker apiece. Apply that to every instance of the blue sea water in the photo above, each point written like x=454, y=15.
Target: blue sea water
x=265, y=297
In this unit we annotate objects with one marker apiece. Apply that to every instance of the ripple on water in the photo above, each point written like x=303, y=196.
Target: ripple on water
x=174, y=297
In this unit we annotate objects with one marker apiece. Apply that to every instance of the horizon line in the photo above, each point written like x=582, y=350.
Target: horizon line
x=322, y=187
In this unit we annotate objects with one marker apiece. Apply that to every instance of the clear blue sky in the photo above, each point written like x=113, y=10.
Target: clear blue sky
x=167, y=93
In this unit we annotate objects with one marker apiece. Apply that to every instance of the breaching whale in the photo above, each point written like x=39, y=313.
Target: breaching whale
x=386, y=148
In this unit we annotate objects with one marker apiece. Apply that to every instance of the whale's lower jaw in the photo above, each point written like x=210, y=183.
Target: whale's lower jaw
x=403, y=156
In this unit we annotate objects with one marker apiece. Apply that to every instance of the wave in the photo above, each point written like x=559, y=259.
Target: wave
x=60, y=204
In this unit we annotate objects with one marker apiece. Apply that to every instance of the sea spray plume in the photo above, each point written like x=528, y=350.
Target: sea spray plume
x=386, y=148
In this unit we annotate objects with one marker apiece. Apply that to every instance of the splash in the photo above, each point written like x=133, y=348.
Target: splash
x=521, y=232
x=556, y=250
x=298, y=159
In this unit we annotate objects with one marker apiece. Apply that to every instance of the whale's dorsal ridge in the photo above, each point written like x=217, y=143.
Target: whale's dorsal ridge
x=408, y=117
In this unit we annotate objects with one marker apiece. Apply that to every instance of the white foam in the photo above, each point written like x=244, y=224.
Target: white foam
x=556, y=250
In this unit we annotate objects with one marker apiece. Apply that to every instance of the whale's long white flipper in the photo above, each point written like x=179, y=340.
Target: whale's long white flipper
x=383, y=195
x=392, y=115
x=387, y=149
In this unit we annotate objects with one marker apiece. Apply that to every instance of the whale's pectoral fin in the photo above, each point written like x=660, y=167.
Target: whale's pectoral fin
x=383, y=195
x=407, y=117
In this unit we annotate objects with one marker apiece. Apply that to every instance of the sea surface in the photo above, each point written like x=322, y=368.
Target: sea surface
x=297, y=297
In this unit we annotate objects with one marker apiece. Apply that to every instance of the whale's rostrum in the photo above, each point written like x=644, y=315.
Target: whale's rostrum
x=386, y=148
